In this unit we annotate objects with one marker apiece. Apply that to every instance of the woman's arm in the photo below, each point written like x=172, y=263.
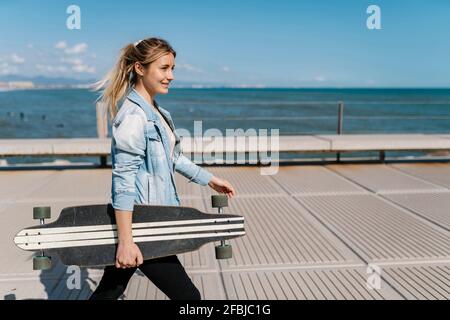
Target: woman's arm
x=128, y=254
x=124, y=220
x=197, y=174
x=192, y=171
x=128, y=151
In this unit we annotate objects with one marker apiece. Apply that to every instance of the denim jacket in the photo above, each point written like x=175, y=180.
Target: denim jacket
x=142, y=168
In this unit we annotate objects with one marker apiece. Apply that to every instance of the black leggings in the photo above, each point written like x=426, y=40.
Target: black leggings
x=166, y=273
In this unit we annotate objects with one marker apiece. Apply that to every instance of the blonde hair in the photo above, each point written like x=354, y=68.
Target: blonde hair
x=119, y=80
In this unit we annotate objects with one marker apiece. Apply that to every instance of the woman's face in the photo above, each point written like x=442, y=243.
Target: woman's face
x=157, y=76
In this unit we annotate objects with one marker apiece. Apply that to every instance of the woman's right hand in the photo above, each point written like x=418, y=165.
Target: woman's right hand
x=128, y=255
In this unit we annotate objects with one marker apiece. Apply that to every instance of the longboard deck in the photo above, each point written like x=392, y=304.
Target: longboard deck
x=87, y=235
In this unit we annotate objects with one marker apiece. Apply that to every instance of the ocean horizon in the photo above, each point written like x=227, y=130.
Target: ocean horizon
x=71, y=113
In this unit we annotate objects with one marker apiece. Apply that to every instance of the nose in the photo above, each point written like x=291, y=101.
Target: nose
x=170, y=75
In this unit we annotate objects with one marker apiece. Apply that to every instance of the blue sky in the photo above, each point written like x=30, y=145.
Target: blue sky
x=243, y=43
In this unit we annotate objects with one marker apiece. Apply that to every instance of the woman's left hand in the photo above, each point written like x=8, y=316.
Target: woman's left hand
x=222, y=186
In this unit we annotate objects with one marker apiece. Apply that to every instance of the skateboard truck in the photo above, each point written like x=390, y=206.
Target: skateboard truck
x=224, y=250
x=41, y=262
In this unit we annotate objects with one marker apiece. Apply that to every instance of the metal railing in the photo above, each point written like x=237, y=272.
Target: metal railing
x=102, y=119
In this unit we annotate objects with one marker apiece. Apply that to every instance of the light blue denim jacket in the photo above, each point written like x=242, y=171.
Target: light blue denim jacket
x=142, y=169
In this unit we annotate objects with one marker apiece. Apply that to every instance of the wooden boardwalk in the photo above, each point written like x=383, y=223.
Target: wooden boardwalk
x=313, y=232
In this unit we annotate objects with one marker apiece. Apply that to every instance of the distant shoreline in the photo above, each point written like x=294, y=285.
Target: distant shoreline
x=88, y=86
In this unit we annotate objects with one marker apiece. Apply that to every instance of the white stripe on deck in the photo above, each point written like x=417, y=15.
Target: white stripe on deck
x=112, y=234
x=105, y=227
x=97, y=242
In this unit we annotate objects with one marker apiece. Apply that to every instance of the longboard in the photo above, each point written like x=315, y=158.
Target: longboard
x=87, y=235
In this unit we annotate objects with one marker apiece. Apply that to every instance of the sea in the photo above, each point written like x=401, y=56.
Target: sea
x=71, y=113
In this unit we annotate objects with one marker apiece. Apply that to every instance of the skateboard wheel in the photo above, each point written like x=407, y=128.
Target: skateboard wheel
x=41, y=213
x=42, y=263
x=219, y=201
x=224, y=252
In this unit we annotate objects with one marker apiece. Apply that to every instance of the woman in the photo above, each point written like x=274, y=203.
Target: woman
x=145, y=152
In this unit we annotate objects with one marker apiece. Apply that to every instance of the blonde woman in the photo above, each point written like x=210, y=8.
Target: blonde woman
x=145, y=152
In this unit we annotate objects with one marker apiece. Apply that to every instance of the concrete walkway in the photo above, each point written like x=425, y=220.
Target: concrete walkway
x=312, y=233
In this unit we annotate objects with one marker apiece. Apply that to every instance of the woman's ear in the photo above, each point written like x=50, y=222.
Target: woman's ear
x=139, y=69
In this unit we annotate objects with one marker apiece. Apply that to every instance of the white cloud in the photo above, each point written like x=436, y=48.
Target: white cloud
x=16, y=59
x=61, y=45
x=72, y=61
x=51, y=69
x=78, y=65
x=188, y=67
x=78, y=48
x=6, y=69
x=225, y=69
x=82, y=68
x=30, y=46
x=319, y=78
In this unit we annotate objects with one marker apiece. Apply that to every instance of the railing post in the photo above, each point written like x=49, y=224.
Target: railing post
x=339, y=127
x=102, y=126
